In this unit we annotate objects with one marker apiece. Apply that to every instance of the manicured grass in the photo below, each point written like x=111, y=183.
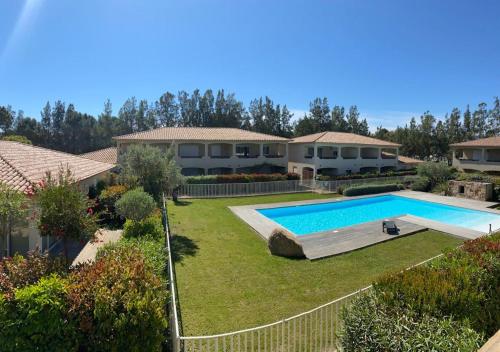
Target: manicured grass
x=227, y=280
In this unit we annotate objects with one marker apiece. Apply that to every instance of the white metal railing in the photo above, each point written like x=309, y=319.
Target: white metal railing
x=314, y=330
x=273, y=187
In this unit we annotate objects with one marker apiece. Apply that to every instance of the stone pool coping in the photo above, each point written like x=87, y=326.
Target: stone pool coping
x=327, y=243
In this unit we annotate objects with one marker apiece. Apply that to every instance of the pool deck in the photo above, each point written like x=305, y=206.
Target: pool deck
x=328, y=243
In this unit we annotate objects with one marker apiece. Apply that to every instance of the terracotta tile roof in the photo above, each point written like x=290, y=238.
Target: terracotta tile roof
x=22, y=165
x=342, y=138
x=408, y=160
x=200, y=134
x=107, y=155
x=483, y=142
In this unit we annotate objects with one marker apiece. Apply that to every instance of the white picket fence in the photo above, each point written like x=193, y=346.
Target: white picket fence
x=274, y=187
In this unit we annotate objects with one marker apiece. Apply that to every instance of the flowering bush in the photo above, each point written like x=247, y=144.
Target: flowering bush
x=65, y=212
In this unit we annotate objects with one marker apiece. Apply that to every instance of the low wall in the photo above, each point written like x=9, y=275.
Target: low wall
x=472, y=190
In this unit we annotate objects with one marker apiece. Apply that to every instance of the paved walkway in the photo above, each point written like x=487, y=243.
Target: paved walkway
x=88, y=253
x=347, y=239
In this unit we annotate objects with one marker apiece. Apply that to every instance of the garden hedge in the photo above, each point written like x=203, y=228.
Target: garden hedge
x=450, y=304
x=368, y=175
x=241, y=178
x=371, y=189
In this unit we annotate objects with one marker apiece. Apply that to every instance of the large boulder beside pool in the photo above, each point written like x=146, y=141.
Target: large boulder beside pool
x=284, y=244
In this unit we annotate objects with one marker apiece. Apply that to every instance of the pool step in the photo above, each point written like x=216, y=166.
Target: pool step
x=458, y=231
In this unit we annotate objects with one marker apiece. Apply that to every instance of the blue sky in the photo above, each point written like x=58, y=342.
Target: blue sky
x=394, y=59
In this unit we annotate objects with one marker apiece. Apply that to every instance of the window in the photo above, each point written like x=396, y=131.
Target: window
x=461, y=189
x=294, y=170
x=309, y=152
x=266, y=150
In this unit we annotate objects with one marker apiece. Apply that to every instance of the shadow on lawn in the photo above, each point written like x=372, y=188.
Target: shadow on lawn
x=182, y=246
x=182, y=203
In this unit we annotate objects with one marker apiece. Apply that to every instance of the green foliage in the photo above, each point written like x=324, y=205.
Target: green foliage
x=18, y=271
x=13, y=209
x=422, y=184
x=241, y=178
x=119, y=302
x=371, y=325
x=36, y=319
x=16, y=138
x=441, y=188
x=435, y=172
x=150, y=168
x=151, y=226
x=64, y=210
x=475, y=177
x=135, y=205
x=371, y=189
x=366, y=176
x=151, y=247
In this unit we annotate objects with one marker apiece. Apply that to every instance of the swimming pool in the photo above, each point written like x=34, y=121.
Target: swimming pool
x=311, y=218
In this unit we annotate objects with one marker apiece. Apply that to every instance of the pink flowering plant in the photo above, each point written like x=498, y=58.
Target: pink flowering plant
x=65, y=212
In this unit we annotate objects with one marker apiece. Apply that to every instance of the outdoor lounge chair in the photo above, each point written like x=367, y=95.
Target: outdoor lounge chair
x=390, y=227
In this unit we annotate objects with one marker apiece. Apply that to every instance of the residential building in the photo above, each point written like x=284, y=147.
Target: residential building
x=211, y=151
x=477, y=155
x=407, y=163
x=22, y=166
x=106, y=155
x=338, y=153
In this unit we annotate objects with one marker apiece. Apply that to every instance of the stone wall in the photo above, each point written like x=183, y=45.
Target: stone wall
x=472, y=190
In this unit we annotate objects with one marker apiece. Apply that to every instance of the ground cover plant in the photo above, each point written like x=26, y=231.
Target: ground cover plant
x=227, y=279
x=450, y=304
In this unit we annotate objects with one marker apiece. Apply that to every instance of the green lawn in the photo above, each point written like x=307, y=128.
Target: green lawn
x=227, y=280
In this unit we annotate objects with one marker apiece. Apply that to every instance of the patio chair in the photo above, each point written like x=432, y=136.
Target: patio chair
x=389, y=227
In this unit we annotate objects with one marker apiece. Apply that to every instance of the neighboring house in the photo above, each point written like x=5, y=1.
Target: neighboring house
x=107, y=155
x=407, y=163
x=477, y=155
x=21, y=167
x=212, y=151
x=338, y=153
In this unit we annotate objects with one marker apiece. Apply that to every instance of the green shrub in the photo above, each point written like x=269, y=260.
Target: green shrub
x=36, y=320
x=151, y=226
x=119, y=302
x=18, y=271
x=422, y=184
x=367, y=175
x=370, y=189
x=435, y=172
x=135, y=205
x=17, y=138
x=241, y=178
x=153, y=250
x=370, y=325
x=441, y=188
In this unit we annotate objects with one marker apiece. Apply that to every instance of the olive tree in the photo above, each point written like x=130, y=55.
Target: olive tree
x=152, y=169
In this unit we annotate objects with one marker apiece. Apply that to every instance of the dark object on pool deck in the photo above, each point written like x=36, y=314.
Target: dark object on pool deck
x=284, y=244
x=390, y=227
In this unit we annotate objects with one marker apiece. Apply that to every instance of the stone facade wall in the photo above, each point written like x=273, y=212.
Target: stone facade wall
x=472, y=190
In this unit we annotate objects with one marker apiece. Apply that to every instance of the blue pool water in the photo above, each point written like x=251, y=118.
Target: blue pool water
x=307, y=219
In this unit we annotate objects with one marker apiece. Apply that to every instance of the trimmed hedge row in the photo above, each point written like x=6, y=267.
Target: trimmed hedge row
x=241, y=178
x=371, y=189
x=369, y=175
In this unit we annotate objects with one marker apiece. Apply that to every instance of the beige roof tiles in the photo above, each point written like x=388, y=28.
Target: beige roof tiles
x=342, y=138
x=408, y=160
x=107, y=155
x=483, y=142
x=22, y=165
x=200, y=134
